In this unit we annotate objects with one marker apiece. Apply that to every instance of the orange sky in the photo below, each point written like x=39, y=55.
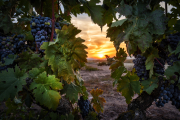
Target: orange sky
x=97, y=43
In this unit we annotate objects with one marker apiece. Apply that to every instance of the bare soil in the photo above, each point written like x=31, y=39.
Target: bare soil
x=115, y=102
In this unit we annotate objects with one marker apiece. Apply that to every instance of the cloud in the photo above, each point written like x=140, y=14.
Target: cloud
x=95, y=40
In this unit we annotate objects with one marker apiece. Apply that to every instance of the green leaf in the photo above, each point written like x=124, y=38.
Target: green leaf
x=177, y=26
x=10, y=60
x=177, y=51
x=120, y=58
x=144, y=41
x=118, y=72
x=95, y=11
x=118, y=23
x=35, y=72
x=150, y=85
x=28, y=100
x=172, y=69
x=45, y=90
x=124, y=9
x=157, y=18
x=6, y=23
x=152, y=54
x=28, y=61
x=71, y=91
x=65, y=54
x=11, y=82
x=129, y=84
x=70, y=117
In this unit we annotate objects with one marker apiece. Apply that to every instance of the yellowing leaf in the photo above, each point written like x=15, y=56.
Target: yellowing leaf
x=98, y=102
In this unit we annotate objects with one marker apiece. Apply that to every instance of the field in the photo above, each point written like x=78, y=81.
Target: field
x=115, y=102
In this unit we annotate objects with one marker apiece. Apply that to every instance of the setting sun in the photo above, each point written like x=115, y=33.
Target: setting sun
x=101, y=55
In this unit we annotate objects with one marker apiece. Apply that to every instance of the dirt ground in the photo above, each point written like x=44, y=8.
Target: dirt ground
x=115, y=102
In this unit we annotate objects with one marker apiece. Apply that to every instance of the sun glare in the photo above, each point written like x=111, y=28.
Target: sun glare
x=101, y=55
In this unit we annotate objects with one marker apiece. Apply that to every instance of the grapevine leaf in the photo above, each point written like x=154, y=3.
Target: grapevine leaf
x=120, y=58
x=29, y=36
x=108, y=16
x=98, y=102
x=129, y=84
x=144, y=41
x=124, y=9
x=158, y=19
x=10, y=60
x=6, y=23
x=12, y=106
x=117, y=74
x=45, y=90
x=71, y=90
x=177, y=50
x=177, y=26
x=54, y=116
x=84, y=92
x=131, y=47
x=70, y=117
x=150, y=85
x=116, y=35
x=11, y=82
x=149, y=62
x=172, y=69
x=28, y=61
x=153, y=54
x=128, y=31
x=78, y=78
x=118, y=23
x=92, y=116
x=35, y=72
x=28, y=100
x=65, y=54
x=95, y=11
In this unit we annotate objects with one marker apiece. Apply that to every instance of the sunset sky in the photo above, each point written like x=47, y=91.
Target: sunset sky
x=97, y=43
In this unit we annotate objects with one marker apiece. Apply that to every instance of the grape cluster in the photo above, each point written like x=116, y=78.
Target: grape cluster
x=84, y=106
x=173, y=40
x=173, y=58
x=139, y=65
x=15, y=44
x=10, y=45
x=4, y=56
x=159, y=66
x=171, y=93
x=41, y=28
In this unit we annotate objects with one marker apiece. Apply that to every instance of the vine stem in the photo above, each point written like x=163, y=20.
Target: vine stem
x=166, y=8
x=41, y=6
x=58, y=9
x=159, y=62
x=53, y=21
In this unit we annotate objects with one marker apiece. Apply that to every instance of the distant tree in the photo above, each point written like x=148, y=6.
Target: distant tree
x=107, y=56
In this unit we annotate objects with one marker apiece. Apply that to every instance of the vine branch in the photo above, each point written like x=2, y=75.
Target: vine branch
x=159, y=62
x=53, y=21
